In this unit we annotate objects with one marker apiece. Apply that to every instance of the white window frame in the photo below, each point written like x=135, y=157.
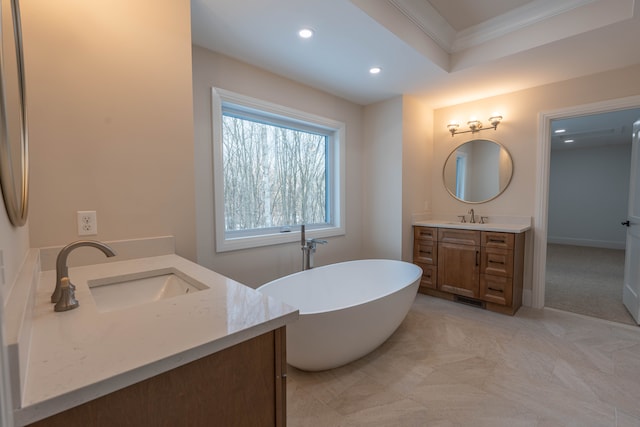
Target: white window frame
x=336, y=181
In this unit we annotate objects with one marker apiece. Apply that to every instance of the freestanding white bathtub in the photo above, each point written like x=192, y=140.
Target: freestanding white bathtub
x=346, y=309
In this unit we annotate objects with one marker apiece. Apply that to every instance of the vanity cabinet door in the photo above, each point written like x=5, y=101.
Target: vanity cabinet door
x=243, y=385
x=459, y=269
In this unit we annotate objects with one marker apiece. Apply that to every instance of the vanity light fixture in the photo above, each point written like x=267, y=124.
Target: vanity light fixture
x=475, y=125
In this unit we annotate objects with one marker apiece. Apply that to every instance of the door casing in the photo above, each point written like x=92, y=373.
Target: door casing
x=540, y=221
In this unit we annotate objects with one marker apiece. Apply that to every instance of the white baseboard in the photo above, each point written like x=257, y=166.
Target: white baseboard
x=606, y=244
x=527, y=299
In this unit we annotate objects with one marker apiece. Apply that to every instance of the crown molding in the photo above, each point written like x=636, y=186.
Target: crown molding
x=514, y=20
x=427, y=18
x=429, y=21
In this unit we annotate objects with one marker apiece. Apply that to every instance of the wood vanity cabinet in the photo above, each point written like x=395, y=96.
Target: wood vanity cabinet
x=482, y=268
x=243, y=385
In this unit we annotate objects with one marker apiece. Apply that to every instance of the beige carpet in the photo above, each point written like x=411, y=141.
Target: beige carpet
x=587, y=281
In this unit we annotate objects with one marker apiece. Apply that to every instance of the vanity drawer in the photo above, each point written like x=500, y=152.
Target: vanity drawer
x=458, y=237
x=496, y=289
x=429, y=275
x=497, y=261
x=425, y=252
x=425, y=233
x=493, y=239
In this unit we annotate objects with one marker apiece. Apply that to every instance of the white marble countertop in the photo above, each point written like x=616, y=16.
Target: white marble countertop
x=79, y=355
x=516, y=227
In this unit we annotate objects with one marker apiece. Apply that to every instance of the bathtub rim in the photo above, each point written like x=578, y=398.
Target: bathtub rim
x=344, y=307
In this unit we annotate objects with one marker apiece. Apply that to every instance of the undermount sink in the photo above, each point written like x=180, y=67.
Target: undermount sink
x=465, y=224
x=118, y=292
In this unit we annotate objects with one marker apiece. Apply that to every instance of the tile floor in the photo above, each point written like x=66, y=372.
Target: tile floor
x=454, y=365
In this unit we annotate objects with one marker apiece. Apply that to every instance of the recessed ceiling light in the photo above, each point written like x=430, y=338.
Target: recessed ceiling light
x=560, y=131
x=306, y=33
x=568, y=141
x=375, y=70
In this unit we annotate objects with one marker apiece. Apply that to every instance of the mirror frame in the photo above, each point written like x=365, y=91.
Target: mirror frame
x=14, y=183
x=502, y=147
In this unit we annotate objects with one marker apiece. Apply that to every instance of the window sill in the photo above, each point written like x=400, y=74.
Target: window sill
x=248, y=242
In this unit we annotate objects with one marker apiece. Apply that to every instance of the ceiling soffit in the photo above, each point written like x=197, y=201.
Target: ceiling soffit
x=533, y=24
x=463, y=14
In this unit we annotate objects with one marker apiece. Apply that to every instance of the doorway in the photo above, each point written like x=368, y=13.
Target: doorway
x=541, y=220
x=588, y=199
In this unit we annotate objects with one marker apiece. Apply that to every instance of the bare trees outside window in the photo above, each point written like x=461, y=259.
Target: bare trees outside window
x=274, y=168
x=274, y=176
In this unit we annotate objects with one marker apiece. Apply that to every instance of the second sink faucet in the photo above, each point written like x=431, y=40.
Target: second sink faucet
x=62, y=271
x=473, y=216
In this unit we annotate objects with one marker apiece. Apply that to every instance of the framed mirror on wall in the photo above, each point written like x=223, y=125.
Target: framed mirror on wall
x=477, y=171
x=14, y=150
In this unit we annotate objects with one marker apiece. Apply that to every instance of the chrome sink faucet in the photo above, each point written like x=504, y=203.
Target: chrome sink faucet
x=63, y=295
x=308, y=247
x=473, y=216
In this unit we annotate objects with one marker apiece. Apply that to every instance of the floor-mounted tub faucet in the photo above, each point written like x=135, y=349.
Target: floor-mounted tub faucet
x=308, y=247
x=63, y=295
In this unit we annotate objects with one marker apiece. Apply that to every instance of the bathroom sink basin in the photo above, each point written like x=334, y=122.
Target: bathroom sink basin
x=118, y=292
x=469, y=225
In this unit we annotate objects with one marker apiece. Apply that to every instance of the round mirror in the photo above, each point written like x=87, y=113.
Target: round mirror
x=477, y=171
x=14, y=169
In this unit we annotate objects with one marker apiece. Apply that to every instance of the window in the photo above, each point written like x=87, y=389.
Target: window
x=275, y=168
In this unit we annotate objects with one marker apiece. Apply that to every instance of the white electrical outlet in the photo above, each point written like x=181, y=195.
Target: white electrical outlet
x=87, y=223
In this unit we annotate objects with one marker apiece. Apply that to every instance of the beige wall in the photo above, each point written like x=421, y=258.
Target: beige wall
x=519, y=134
x=417, y=163
x=257, y=266
x=382, y=171
x=110, y=119
x=112, y=113
x=110, y=124
x=14, y=244
x=397, y=170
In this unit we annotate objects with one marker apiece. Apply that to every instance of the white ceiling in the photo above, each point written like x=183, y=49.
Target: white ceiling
x=447, y=51
x=611, y=128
